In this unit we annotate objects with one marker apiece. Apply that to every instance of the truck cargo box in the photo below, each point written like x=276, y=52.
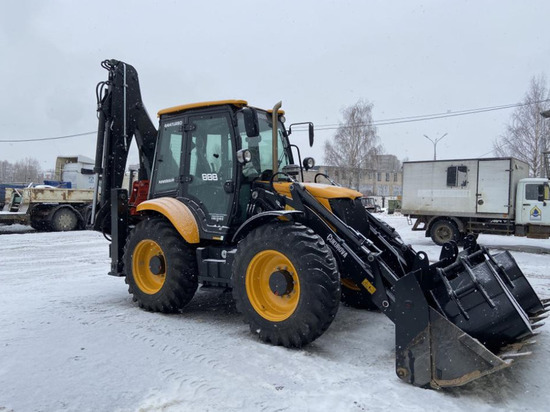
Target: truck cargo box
x=462, y=187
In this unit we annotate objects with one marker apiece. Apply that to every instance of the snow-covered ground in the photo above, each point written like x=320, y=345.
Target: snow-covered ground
x=71, y=339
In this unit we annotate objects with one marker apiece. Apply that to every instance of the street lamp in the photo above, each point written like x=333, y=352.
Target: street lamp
x=435, y=142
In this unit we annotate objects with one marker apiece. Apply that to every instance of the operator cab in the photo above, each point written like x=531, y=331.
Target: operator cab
x=196, y=160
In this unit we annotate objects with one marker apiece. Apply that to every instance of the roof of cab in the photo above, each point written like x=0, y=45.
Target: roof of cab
x=181, y=108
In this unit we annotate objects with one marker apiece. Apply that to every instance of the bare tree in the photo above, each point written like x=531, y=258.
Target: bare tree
x=355, y=144
x=6, y=171
x=527, y=135
x=27, y=171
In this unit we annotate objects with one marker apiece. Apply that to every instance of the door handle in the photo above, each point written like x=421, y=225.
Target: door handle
x=527, y=204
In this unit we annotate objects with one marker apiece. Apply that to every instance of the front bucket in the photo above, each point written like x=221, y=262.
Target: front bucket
x=474, y=298
x=433, y=352
x=510, y=273
x=516, y=282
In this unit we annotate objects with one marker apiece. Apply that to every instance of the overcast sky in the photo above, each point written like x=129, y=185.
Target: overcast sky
x=406, y=57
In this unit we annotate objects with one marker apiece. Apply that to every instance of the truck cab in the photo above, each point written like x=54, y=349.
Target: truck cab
x=532, y=206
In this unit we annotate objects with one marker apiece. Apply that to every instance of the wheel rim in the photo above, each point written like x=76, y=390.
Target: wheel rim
x=272, y=285
x=66, y=220
x=444, y=233
x=145, y=254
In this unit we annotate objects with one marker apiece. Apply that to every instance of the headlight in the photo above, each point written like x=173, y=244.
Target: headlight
x=309, y=163
x=244, y=156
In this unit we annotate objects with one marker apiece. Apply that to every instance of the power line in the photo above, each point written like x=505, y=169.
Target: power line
x=333, y=126
x=418, y=118
x=39, y=139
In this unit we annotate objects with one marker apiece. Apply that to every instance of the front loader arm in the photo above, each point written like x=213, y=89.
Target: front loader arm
x=455, y=320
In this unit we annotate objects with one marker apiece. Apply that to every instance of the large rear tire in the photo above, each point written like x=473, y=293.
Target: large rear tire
x=160, y=267
x=64, y=220
x=286, y=284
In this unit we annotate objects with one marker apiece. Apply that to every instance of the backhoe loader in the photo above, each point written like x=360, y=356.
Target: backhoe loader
x=220, y=201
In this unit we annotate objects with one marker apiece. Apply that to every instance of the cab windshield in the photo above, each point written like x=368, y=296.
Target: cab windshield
x=261, y=146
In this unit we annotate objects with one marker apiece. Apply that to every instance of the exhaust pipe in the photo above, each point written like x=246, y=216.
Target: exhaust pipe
x=275, y=143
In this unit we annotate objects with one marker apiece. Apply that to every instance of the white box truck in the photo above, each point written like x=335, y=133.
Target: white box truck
x=452, y=198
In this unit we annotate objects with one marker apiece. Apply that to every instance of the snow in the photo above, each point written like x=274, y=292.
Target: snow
x=71, y=339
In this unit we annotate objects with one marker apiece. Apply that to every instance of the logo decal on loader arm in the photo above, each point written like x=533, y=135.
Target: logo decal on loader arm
x=339, y=248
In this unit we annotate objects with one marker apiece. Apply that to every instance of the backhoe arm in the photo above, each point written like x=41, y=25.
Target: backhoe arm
x=122, y=116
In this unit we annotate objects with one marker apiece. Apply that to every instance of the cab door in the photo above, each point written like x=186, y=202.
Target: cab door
x=209, y=181
x=534, y=201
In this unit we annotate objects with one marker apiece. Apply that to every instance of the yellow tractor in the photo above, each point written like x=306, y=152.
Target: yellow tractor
x=220, y=200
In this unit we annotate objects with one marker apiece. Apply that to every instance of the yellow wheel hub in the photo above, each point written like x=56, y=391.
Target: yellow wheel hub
x=272, y=285
x=148, y=266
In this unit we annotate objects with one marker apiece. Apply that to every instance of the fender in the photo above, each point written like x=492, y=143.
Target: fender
x=260, y=219
x=177, y=213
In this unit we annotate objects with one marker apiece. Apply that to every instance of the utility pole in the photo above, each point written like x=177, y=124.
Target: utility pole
x=545, y=152
x=435, y=143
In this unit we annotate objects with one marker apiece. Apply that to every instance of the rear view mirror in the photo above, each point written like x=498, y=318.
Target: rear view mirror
x=310, y=130
x=251, y=121
x=541, y=193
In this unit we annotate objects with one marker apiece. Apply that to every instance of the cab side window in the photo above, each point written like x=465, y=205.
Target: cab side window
x=261, y=147
x=534, y=192
x=538, y=192
x=168, y=160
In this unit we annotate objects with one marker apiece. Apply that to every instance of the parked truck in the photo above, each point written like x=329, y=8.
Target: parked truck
x=452, y=198
x=61, y=204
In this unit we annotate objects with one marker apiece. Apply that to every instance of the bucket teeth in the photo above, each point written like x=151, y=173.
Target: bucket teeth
x=542, y=312
x=514, y=355
x=536, y=318
x=518, y=346
x=537, y=325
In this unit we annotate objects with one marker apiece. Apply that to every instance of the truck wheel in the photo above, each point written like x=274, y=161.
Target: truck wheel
x=64, y=220
x=160, y=267
x=286, y=284
x=444, y=231
x=355, y=297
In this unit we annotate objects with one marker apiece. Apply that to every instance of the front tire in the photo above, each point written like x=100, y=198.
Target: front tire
x=286, y=284
x=444, y=231
x=160, y=267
